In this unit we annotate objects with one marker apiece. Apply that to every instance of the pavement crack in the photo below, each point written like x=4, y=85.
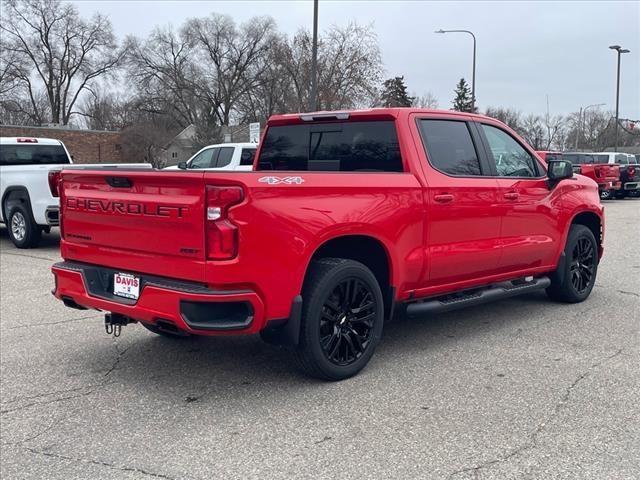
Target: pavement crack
x=101, y=463
x=624, y=292
x=52, y=260
x=532, y=440
x=50, y=323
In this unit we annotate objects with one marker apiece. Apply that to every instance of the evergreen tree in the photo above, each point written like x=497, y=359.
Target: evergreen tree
x=463, y=101
x=394, y=93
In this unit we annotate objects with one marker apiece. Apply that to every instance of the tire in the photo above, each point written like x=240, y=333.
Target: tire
x=575, y=278
x=23, y=230
x=163, y=333
x=342, y=319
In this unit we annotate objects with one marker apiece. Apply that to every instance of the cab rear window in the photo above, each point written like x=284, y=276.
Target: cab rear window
x=33, y=155
x=332, y=147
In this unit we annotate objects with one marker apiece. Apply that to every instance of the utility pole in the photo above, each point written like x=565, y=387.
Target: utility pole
x=313, y=101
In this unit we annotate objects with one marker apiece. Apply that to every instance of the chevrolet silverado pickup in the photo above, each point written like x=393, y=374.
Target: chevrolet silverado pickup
x=599, y=170
x=347, y=218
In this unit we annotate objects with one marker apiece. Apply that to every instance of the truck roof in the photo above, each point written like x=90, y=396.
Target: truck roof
x=28, y=141
x=372, y=113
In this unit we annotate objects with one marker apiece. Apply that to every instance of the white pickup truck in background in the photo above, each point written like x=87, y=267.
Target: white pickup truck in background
x=223, y=156
x=29, y=172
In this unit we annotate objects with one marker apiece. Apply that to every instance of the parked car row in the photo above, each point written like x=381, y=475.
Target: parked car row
x=617, y=174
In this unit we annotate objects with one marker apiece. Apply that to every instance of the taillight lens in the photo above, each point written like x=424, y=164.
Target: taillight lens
x=54, y=180
x=632, y=171
x=222, y=234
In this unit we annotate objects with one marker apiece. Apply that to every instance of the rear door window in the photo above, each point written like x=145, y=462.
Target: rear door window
x=225, y=156
x=601, y=159
x=622, y=159
x=332, y=147
x=33, y=155
x=449, y=147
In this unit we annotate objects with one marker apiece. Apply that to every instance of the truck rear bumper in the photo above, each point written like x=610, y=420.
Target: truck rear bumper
x=187, y=306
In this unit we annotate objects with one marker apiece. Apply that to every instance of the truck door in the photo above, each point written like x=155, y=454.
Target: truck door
x=530, y=231
x=462, y=217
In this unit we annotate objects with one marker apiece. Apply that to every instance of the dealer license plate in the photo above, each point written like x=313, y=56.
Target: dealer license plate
x=126, y=285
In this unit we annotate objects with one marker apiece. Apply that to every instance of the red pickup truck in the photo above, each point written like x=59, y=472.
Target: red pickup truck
x=347, y=218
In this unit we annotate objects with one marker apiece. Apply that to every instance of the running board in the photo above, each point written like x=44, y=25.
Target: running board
x=477, y=296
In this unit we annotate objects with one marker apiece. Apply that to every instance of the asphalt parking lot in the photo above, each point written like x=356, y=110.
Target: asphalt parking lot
x=523, y=388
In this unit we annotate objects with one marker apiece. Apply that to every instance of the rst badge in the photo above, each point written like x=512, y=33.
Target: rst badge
x=271, y=180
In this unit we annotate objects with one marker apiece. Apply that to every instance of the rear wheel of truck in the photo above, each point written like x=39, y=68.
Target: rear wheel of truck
x=342, y=318
x=23, y=231
x=574, y=280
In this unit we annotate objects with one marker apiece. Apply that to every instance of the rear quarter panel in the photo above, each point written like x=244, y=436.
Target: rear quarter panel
x=282, y=225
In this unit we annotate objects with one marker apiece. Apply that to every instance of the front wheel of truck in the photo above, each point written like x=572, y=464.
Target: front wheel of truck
x=342, y=319
x=574, y=279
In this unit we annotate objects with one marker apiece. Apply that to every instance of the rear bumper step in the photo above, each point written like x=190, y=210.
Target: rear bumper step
x=476, y=297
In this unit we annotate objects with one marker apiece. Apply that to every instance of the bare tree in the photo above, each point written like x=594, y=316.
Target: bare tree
x=532, y=131
x=58, y=52
x=554, y=126
x=508, y=116
x=428, y=100
x=232, y=59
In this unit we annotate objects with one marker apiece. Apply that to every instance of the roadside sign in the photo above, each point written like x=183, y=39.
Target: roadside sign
x=254, y=132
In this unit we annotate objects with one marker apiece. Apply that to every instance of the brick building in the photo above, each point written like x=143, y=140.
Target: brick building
x=86, y=146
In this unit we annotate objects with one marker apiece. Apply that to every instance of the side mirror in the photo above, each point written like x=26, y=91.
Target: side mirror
x=182, y=165
x=559, y=170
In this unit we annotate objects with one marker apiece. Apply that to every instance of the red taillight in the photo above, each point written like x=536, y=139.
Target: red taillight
x=26, y=140
x=632, y=171
x=54, y=180
x=222, y=234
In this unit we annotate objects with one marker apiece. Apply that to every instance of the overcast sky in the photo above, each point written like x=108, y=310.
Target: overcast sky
x=526, y=50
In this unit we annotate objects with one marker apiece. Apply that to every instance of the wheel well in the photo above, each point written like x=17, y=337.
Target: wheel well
x=592, y=222
x=19, y=194
x=368, y=251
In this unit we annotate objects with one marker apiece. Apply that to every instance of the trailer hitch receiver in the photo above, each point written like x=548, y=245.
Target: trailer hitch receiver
x=113, y=323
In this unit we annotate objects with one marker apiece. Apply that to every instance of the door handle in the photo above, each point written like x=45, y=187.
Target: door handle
x=443, y=198
x=512, y=195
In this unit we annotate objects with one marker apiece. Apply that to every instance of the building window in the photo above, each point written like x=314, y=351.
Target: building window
x=174, y=154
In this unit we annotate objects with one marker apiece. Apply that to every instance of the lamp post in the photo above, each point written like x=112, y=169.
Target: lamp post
x=313, y=103
x=620, y=51
x=473, y=79
x=582, y=116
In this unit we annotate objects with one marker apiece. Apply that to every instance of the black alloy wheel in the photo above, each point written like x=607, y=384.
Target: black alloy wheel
x=582, y=268
x=346, y=323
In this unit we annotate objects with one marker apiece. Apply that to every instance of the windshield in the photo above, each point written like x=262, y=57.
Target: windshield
x=33, y=155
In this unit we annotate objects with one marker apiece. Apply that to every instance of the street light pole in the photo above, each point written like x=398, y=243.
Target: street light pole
x=473, y=75
x=313, y=102
x=620, y=51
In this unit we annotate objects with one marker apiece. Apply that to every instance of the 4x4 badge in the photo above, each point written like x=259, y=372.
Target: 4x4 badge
x=279, y=180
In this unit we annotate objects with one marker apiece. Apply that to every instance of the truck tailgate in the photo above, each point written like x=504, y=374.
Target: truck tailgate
x=144, y=221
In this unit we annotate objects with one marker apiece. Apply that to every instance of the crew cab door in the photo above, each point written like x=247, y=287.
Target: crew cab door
x=463, y=215
x=530, y=231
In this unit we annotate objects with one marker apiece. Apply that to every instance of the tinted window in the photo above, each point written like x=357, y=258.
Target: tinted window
x=246, y=158
x=511, y=159
x=346, y=147
x=553, y=156
x=622, y=159
x=449, y=147
x=600, y=159
x=203, y=159
x=224, y=157
x=32, y=155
